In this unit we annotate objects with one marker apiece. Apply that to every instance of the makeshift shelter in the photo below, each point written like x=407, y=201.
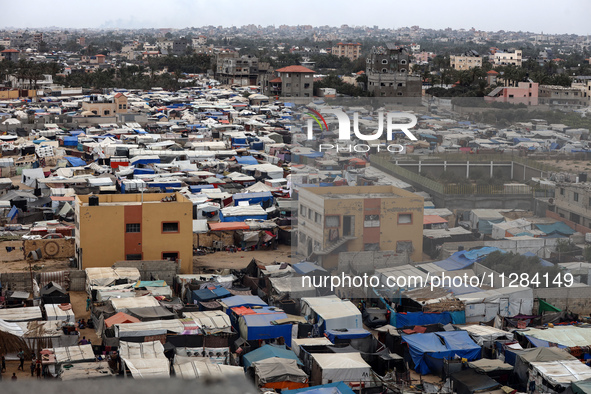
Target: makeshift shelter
x=469, y=382
x=24, y=314
x=508, y=301
x=267, y=352
x=145, y=360
x=330, y=388
x=483, y=219
x=428, y=351
x=199, y=369
x=211, y=322
x=523, y=358
x=241, y=300
x=582, y=387
x=297, y=344
x=124, y=304
x=52, y=293
x=279, y=373
x=85, y=371
x=343, y=367
x=61, y=312
x=566, y=336
x=120, y=318
x=485, y=334
x=557, y=376
x=259, y=326
x=151, y=313
x=331, y=313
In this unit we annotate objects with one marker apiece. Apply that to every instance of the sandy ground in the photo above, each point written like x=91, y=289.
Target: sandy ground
x=78, y=300
x=239, y=260
x=571, y=166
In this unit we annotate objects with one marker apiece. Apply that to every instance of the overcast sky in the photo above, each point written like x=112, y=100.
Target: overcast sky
x=548, y=16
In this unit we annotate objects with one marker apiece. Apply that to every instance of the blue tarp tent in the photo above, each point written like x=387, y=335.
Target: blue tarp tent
x=260, y=198
x=330, y=388
x=269, y=351
x=555, y=228
x=208, y=294
x=75, y=161
x=197, y=188
x=71, y=141
x=351, y=333
x=246, y=160
x=421, y=318
x=427, y=350
x=262, y=326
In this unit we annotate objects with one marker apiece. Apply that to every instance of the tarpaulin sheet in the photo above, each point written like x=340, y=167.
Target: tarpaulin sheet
x=269, y=351
x=75, y=161
x=555, y=228
x=246, y=160
x=330, y=388
x=422, y=318
x=261, y=326
x=346, y=334
x=455, y=343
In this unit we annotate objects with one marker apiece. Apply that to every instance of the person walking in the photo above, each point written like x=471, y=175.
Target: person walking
x=21, y=357
x=33, y=365
x=88, y=302
x=3, y=357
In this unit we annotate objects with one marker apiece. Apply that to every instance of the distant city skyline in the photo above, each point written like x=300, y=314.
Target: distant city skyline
x=564, y=17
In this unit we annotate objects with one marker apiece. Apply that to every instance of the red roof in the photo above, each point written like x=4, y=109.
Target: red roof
x=492, y=72
x=433, y=219
x=120, y=318
x=10, y=51
x=295, y=69
x=276, y=80
x=228, y=226
x=119, y=95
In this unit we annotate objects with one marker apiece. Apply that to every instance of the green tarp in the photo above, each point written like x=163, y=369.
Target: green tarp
x=546, y=307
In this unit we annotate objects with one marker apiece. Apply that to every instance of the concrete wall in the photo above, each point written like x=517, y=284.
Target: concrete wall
x=61, y=248
x=575, y=299
x=205, y=240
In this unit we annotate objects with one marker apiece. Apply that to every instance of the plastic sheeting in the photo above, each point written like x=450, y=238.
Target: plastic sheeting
x=345, y=367
x=268, y=351
x=260, y=326
x=454, y=343
x=278, y=370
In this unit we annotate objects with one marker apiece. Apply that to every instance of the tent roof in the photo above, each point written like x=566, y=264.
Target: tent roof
x=268, y=351
x=279, y=370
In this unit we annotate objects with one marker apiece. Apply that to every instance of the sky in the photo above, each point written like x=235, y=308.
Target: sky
x=547, y=16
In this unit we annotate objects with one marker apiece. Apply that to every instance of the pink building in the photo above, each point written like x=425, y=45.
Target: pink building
x=524, y=93
x=423, y=57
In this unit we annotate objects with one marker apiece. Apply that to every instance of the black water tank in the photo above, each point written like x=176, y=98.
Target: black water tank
x=93, y=201
x=583, y=177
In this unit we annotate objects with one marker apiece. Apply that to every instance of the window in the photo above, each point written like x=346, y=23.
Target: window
x=170, y=256
x=106, y=112
x=170, y=227
x=562, y=191
x=132, y=228
x=384, y=70
x=371, y=221
x=404, y=246
x=405, y=218
x=348, y=225
x=310, y=214
x=120, y=106
x=124, y=106
x=133, y=256
x=303, y=210
x=576, y=196
x=384, y=61
x=332, y=221
x=306, y=86
x=317, y=217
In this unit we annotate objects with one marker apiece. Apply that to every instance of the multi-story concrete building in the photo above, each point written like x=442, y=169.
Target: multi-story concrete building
x=10, y=54
x=524, y=93
x=233, y=69
x=467, y=61
x=348, y=50
x=291, y=81
x=388, y=73
x=572, y=202
x=148, y=226
x=564, y=96
x=106, y=106
x=356, y=218
x=514, y=58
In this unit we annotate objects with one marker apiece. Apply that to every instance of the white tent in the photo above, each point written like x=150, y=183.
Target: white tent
x=339, y=367
x=507, y=301
x=145, y=360
x=21, y=314
x=205, y=369
x=558, y=374
x=332, y=312
x=123, y=304
x=54, y=312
